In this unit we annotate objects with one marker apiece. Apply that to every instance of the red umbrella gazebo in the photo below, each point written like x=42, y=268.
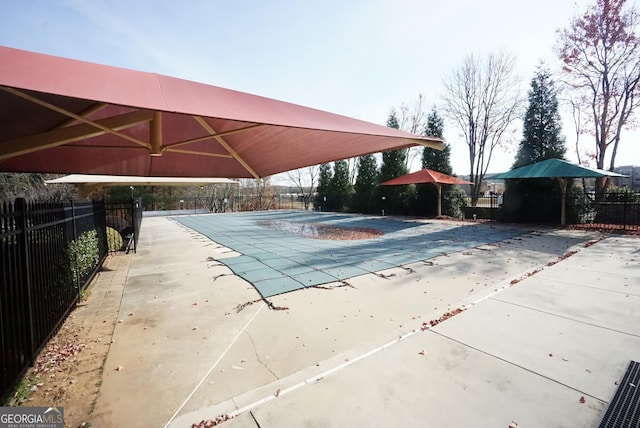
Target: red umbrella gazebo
x=59, y=115
x=425, y=176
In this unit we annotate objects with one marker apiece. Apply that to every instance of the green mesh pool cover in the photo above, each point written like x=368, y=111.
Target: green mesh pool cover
x=276, y=261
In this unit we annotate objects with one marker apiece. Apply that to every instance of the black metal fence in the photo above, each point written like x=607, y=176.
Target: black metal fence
x=607, y=211
x=125, y=218
x=487, y=208
x=234, y=203
x=48, y=254
x=612, y=210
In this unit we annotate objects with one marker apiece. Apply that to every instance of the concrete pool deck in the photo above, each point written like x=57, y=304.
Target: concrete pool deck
x=544, y=336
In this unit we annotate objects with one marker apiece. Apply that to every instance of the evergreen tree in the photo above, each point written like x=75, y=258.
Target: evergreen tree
x=453, y=198
x=396, y=198
x=437, y=160
x=324, y=183
x=392, y=120
x=393, y=162
x=366, y=183
x=541, y=134
x=392, y=165
x=340, y=187
x=536, y=200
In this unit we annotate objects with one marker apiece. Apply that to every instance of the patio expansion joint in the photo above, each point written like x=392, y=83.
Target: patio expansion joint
x=316, y=378
x=564, y=317
x=214, y=365
x=592, y=287
x=254, y=419
x=497, y=357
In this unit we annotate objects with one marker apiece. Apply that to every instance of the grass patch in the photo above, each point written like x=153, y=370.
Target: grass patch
x=23, y=391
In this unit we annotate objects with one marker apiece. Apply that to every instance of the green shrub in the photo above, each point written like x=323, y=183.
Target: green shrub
x=622, y=194
x=455, y=199
x=83, y=253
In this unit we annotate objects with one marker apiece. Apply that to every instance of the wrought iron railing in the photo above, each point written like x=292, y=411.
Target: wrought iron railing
x=48, y=254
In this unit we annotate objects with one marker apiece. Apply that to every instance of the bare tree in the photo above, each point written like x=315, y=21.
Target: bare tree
x=305, y=181
x=353, y=169
x=256, y=194
x=600, y=51
x=32, y=187
x=483, y=98
x=413, y=118
x=578, y=122
x=218, y=198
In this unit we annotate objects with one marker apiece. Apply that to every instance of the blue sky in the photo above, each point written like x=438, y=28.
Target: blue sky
x=359, y=58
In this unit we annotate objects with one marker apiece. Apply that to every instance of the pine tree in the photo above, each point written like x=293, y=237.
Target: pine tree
x=324, y=183
x=366, y=183
x=392, y=120
x=396, y=198
x=541, y=134
x=537, y=200
x=393, y=162
x=340, y=188
x=438, y=160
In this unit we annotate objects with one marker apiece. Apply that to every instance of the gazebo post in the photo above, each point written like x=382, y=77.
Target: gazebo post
x=439, y=204
x=563, y=201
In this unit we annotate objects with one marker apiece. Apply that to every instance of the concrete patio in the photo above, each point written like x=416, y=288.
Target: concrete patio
x=548, y=323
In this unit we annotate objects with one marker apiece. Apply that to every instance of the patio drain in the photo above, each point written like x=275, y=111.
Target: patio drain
x=624, y=409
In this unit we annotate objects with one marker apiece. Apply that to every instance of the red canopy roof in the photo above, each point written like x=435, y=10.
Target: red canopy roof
x=60, y=115
x=425, y=176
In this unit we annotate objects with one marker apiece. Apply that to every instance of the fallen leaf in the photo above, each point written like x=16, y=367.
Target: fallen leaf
x=119, y=368
x=582, y=400
x=421, y=352
x=277, y=393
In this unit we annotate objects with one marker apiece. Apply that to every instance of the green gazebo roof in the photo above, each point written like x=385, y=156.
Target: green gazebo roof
x=555, y=168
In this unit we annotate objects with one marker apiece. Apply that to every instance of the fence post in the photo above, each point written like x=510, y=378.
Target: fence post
x=627, y=196
x=21, y=222
x=134, y=224
x=74, y=229
x=73, y=220
x=492, y=207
